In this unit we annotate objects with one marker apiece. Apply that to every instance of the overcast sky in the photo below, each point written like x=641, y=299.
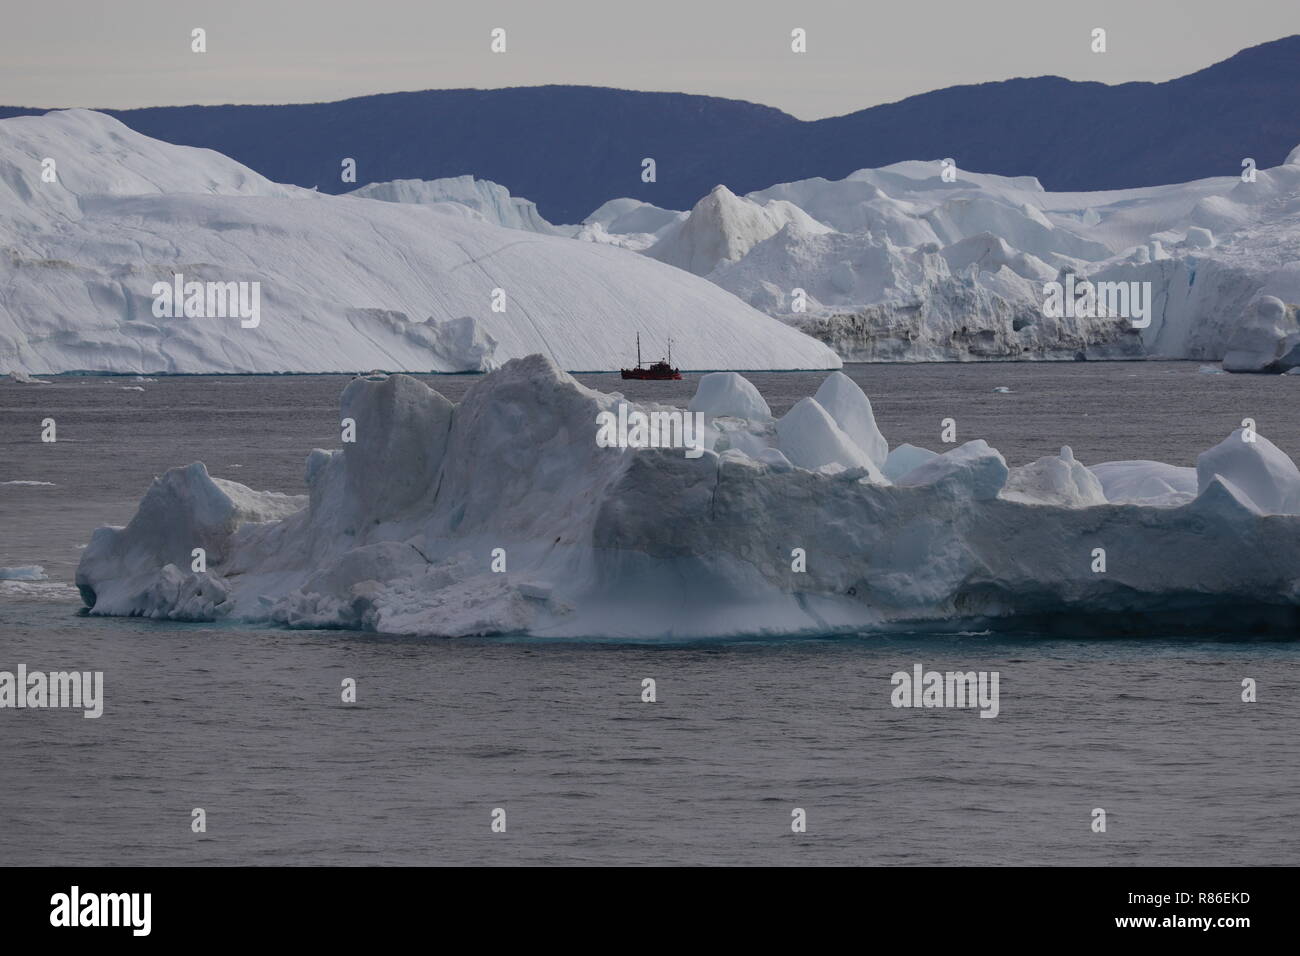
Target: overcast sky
x=124, y=53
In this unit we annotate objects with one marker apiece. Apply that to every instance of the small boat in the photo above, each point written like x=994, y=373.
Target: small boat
x=657, y=371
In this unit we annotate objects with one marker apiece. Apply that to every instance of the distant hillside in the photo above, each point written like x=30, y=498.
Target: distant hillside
x=571, y=148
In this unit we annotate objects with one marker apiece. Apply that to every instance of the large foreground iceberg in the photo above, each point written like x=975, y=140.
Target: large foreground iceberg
x=502, y=514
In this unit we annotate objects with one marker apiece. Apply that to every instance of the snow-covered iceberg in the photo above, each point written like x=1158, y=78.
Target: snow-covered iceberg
x=627, y=223
x=490, y=200
x=1266, y=340
x=626, y=217
x=502, y=514
x=96, y=217
x=1056, y=479
x=729, y=395
x=920, y=261
x=723, y=227
x=1146, y=482
x=1261, y=472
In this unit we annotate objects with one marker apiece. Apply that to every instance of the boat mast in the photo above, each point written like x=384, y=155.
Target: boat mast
x=638, y=350
x=670, y=352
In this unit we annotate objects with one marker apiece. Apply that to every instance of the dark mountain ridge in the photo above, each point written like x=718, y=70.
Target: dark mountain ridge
x=571, y=148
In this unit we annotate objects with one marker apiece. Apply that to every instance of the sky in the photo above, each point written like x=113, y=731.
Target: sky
x=128, y=53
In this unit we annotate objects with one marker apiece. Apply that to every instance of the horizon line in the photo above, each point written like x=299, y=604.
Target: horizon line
x=648, y=92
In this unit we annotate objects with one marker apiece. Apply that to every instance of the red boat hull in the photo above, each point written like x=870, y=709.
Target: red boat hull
x=651, y=374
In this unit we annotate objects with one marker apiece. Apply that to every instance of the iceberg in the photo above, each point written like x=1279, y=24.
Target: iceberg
x=345, y=283
x=973, y=469
x=849, y=406
x=728, y=394
x=501, y=514
x=489, y=200
x=454, y=275
x=622, y=217
x=1266, y=340
x=1056, y=479
x=1256, y=467
x=30, y=572
x=901, y=264
x=1146, y=482
x=904, y=458
x=22, y=378
x=722, y=227
x=810, y=438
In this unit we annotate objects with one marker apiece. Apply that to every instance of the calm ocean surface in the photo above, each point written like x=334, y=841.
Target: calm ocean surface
x=247, y=723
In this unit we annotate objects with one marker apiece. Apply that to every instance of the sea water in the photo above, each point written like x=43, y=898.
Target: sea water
x=248, y=725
